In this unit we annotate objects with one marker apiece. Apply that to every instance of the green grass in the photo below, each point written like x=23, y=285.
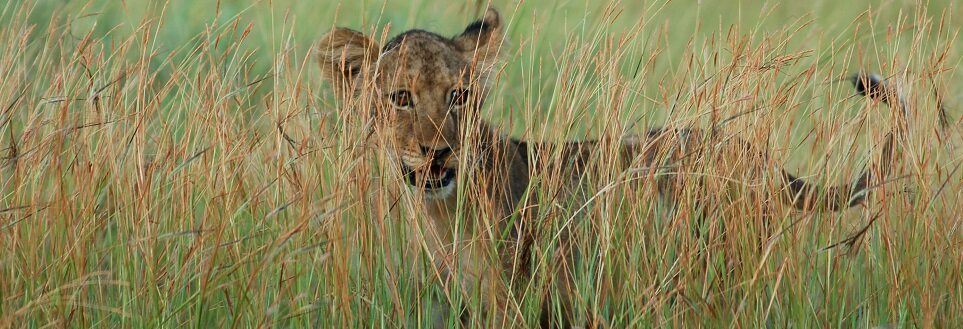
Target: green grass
x=183, y=165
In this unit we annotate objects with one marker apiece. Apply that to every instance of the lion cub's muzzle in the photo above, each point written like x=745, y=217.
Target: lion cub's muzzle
x=433, y=176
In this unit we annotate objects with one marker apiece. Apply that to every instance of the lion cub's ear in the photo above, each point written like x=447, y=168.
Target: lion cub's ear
x=482, y=40
x=343, y=53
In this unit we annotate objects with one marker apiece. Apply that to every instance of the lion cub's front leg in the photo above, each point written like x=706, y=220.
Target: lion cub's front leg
x=465, y=266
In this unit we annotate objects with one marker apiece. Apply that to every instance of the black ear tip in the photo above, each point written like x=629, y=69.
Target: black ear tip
x=868, y=84
x=490, y=21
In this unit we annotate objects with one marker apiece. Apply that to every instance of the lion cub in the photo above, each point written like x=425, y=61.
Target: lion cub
x=423, y=91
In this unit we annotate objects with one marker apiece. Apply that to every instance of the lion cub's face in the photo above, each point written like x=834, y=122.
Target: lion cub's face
x=419, y=87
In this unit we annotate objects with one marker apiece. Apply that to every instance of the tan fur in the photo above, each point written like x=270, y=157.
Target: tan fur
x=427, y=140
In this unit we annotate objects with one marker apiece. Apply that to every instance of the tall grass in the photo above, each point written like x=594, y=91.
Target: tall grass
x=168, y=164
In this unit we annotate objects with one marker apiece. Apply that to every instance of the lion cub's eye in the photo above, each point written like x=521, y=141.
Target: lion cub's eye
x=402, y=99
x=458, y=97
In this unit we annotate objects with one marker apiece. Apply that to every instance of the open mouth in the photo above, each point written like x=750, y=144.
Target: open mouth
x=431, y=178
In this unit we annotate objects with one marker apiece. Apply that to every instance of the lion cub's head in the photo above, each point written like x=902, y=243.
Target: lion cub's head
x=419, y=86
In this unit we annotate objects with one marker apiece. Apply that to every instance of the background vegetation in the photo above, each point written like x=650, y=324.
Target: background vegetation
x=180, y=163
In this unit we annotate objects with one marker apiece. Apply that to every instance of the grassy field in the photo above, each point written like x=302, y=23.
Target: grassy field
x=181, y=164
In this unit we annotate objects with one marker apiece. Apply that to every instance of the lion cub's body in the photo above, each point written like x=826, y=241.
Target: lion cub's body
x=423, y=91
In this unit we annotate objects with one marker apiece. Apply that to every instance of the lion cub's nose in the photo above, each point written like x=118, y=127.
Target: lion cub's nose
x=435, y=153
